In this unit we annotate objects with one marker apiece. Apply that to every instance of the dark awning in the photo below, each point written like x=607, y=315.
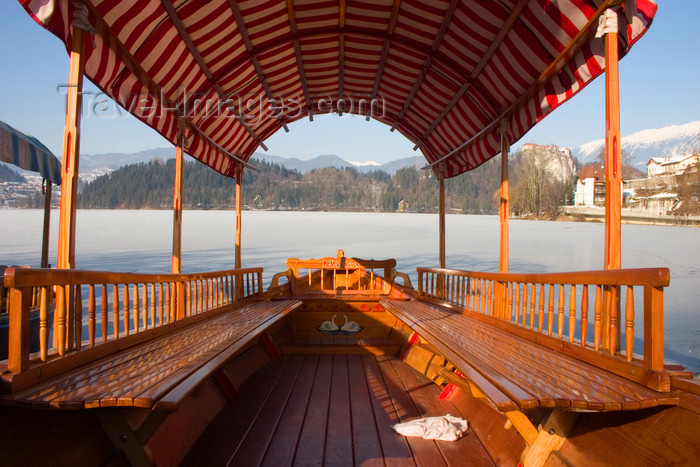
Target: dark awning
x=28, y=153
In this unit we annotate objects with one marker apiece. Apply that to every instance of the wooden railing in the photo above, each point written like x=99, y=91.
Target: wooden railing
x=588, y=314
x=101, y=309
x=348, y=275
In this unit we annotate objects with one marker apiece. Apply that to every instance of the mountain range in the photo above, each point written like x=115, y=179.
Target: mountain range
x=641, y=146
x=113, y=161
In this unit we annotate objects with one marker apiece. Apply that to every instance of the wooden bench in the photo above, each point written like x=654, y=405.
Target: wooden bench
x=153, y=352
x=517, y=374
x=159, y=373
x=513, y=374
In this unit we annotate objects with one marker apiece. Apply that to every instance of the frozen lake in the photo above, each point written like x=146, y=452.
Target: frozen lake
x=141, y=241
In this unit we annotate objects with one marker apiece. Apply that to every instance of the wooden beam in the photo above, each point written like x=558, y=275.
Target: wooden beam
x=172, y=14
x=341, y=51
x=130, y=62
x=485, y=59
x=385, y=54
x=334, y=31
x=123, y=437
x=177, y=212
x=523, y=425
x=550, y=438
x=300, y=61
x=71, y=151
x=19, y=300
x=657, y=378
x=578, y=42
x=47, y=224
x=429, y=59
x=251, y=53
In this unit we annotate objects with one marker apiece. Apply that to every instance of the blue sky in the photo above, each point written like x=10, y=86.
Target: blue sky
x=660, y=86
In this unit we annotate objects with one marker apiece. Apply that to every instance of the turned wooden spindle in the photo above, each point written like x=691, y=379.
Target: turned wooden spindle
x=104, y=307
x=560, y=316
x=550, y=310
x=489, y=301
x=78, y=318
x=614, y=319
x=44, y=322
x=572, y=313
x=115, y=310
x=145, y=307
x=91, y=315
x=598, y=317
x=153, y=305
x=127, y=312
x=137, y=307
x=524, y=310
x=540, y=310
x=584, y=315
x=532, y=307
x=629, y=323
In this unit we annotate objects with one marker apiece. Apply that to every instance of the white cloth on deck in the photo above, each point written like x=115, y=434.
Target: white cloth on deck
x=444, y=428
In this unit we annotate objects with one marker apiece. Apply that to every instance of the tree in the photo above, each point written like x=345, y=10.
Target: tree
x=629, y=171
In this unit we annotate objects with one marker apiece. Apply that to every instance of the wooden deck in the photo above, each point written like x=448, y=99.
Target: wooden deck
x=332, y=410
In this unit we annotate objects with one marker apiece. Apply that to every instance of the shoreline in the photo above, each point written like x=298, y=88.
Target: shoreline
x=591, y=217
x=629, y=216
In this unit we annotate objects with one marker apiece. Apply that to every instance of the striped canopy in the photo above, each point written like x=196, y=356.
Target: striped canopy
x=449, y=75
x=28, y=153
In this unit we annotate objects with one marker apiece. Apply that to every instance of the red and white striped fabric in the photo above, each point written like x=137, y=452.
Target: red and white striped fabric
x=233, y=72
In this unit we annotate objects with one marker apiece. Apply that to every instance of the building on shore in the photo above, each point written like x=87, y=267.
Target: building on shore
x=590, y=186
x=658, y=166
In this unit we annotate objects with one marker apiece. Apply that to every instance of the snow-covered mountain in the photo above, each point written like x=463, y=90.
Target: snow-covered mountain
x=102, y=163
x=320, y=162
x=116, y=160
x=674, y=140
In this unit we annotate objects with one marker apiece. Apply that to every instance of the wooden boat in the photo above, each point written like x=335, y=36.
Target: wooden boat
x=212, y=368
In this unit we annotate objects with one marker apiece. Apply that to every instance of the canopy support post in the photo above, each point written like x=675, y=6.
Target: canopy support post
x=177, y=211
x=71, y=151
x=505, y=200
x=613, y=165
x=47, y=225
x=239, y=182
x=441, y=213
x=500, y=288
x=613, y=178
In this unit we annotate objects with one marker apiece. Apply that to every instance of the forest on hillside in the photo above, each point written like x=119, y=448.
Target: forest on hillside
x=8, y=175
x=273, y=187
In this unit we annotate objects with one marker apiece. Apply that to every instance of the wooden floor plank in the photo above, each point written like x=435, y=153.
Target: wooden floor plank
x=338, y=450
x=367, y=450
x=312, y=441
x=425, y=396
x=338, y=410
x=425, y=452
x=283, y=446
x=394, y=446
x=254, y=445
x=226, y=432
